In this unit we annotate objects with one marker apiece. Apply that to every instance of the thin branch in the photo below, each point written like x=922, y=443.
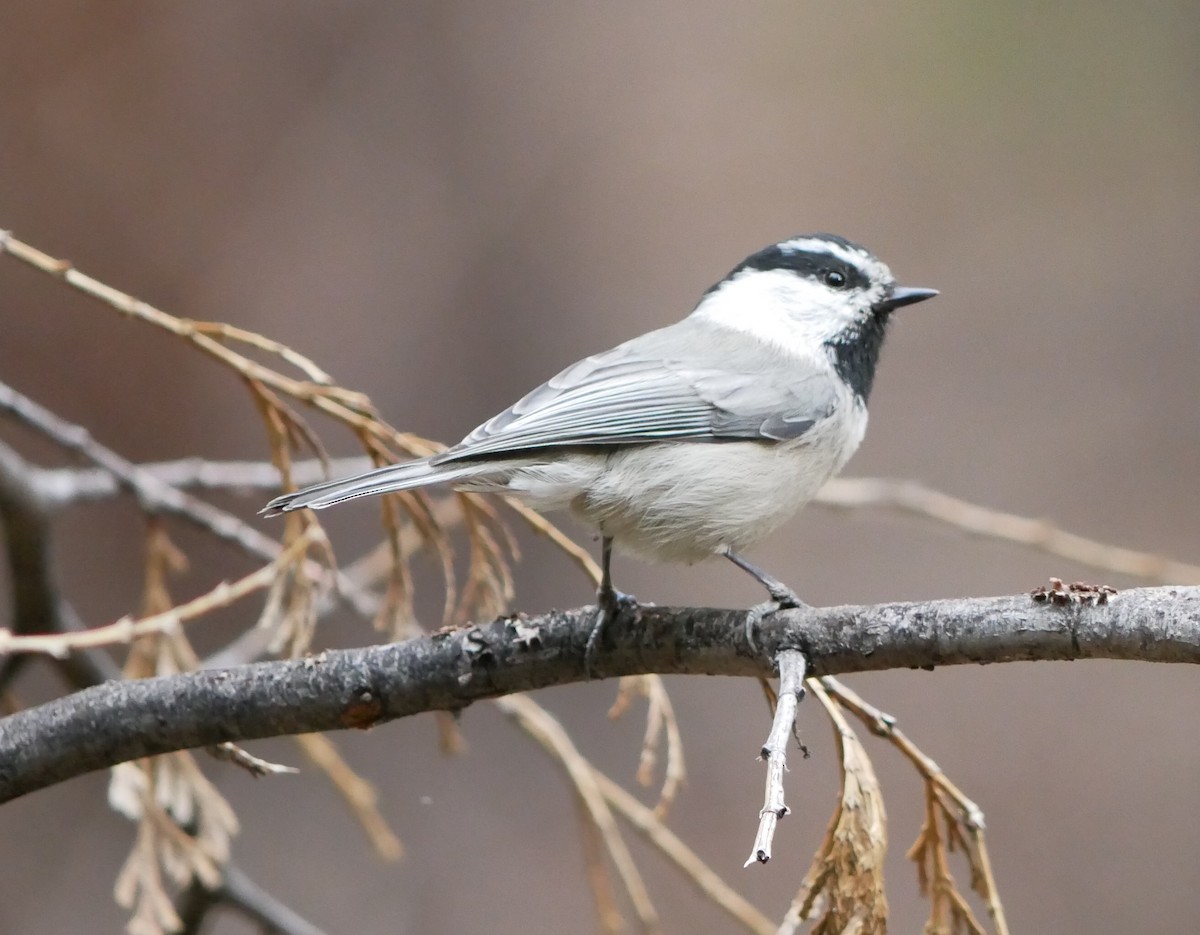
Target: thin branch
x=114, y=722
x=62, y=486
x=970, y=814
x=648, y=823
x=599, y=878
x=358, y=794
x=275, y=393
x=543, y=527
x=199, y=334
x=660, y=720
x=31, y=568
x=156, y=495
x=127, y=629
x=544, y=728
x=843, y=889
x=241, y=893
x=37, y=604
x=792, y=665
x=1038, y=534
x=884, y=725
x=24, y=511
x=254, y=765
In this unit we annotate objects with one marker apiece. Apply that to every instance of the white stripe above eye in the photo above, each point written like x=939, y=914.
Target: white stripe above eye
x=875, y=270
x=847, y=255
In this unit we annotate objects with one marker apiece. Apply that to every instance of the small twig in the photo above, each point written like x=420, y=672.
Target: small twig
x=63, y=486
x=547, y=731
x=331, y=399
x=274, y=393
x=359, y=794
x=31, y=569
x=647, y=822
x=543, y=527
x=24, y=509
x=241, y=893
x=1042, y=535
x=948, y=910
x=660, y=719
x=158, y=496
x=255, y=766
x=232, y=333
x=884, y=725
x=598, y=877
x=262, y=907
x=792, y=666
x=363, y=575
x=155, y=495
x=128, y=629
x=843, y=890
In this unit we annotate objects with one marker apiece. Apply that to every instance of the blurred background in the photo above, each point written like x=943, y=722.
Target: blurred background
x=445, y=202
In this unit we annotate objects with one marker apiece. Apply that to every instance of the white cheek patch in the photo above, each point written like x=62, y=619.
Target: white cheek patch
x=794, y=313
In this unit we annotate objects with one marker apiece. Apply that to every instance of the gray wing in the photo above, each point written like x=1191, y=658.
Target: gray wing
x=633, y=395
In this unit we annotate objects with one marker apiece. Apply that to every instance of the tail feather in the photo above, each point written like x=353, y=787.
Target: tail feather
x=388, y=479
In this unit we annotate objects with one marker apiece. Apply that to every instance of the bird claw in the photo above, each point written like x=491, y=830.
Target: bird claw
x=611, y=603
x=782, y=598
x=615, y=601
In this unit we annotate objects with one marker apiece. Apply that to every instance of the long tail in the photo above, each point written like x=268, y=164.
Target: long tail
x=381, y=480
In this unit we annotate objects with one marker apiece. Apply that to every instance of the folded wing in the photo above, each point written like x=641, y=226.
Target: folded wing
x=627, y=396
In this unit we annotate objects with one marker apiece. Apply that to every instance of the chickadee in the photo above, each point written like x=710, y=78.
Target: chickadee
x=694, y=440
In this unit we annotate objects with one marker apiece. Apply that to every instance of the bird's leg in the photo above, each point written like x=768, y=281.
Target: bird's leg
x=780, y=593
x=610, y=602
x=782, y=597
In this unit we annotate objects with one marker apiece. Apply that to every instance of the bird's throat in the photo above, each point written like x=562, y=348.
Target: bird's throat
x=855, y=352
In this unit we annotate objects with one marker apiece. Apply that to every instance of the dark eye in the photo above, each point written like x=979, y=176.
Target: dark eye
x=833, y=279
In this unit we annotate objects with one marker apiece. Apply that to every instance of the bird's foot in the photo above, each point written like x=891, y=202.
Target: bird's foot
x=782, y=598
x=611, y=603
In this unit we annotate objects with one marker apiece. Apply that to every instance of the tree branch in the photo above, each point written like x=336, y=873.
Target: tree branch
x=60, y=487
x=250, y=899
x=65, y=486
x=792, y=665
x=120, y=721
x=37, y=605
x=158, y=496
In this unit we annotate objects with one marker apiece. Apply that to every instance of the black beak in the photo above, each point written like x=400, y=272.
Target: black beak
x=902, y=295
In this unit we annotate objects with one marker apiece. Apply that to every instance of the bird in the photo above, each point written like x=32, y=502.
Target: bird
x=694, y=440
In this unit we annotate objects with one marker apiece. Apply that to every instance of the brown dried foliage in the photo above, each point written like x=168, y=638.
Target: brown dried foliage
x=282, y=386
x=843, y=890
